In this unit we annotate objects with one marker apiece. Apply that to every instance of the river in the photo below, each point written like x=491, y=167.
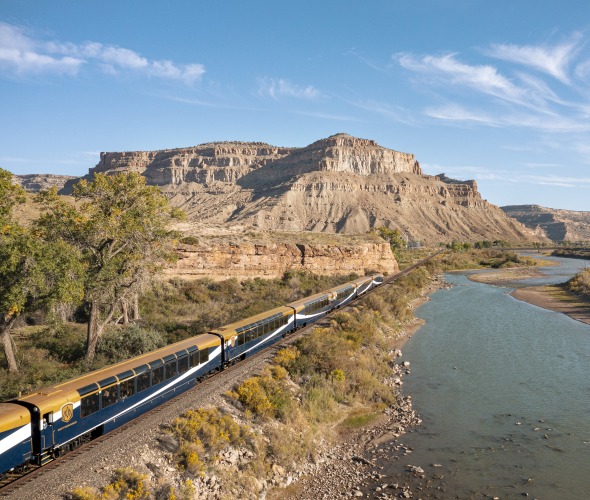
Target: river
x=503, y=388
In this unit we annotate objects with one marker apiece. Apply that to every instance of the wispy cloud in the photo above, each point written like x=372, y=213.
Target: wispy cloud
x=22, y=55
x=554, y=60
x=509, y=176
x=389, y=111
x=458, y=113
x=543, y=165
x=482, y=78
x=454, y=112
x=276, y=88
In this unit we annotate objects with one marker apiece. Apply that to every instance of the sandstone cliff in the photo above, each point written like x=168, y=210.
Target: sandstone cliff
x=556, y=224
x=339, y=184
x=241, y=260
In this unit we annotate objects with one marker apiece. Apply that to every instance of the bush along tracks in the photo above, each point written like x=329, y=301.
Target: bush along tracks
x=302, y=426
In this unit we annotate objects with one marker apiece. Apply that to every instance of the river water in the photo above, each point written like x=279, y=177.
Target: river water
x=503, y=388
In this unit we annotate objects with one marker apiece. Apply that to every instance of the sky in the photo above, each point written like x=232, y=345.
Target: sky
x=496, y=91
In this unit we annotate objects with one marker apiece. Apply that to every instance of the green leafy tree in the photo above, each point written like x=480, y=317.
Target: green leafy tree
x=393, y=237
x=120, y=226
x=33, y=272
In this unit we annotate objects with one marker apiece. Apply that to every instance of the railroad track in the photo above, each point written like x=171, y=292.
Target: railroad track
x=13, y=482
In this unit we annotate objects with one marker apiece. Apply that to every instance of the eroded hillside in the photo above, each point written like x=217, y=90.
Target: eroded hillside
x=556, y=224
x=339, y=184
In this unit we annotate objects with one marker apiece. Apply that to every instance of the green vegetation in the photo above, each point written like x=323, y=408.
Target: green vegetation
x=35, y=272
x=463, y=256
x=580, y=284
x=572, y=253
x=393, y=237
x=119, y=228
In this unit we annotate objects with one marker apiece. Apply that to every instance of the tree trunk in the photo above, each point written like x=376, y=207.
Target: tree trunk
x=125, y=310
x=96, y=327
x=8, y=345
x=93, y=333
x=135, y=307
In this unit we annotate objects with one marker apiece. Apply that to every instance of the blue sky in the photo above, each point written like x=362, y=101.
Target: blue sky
x=493, y=91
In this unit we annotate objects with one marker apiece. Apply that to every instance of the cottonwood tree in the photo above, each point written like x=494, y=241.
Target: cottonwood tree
x=33, y=272
x=120, y=226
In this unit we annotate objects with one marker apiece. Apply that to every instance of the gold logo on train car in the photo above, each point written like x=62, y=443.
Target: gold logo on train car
x=67, y=412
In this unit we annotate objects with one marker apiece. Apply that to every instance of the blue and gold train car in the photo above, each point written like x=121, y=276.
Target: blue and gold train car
x=64, y=415
x=312, y=308
x=245, y=337
x=15, y=436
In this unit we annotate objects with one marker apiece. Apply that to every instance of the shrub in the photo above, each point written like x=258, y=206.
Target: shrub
x=286, y=357
x=187, y=458
x=126, y=484
x=85, y=493
x=189, y=240
x=210, y=429
x=580, y=283
x=122, y=343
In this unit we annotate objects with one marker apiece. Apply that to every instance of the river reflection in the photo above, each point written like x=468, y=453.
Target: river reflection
x=503, y=389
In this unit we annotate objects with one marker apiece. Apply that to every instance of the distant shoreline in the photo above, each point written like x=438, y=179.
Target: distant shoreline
x=552, y=297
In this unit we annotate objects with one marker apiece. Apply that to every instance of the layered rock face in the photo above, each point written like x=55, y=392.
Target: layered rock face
x=557, y=225
x=339, y=184
x=247, y=260
x=34, y=183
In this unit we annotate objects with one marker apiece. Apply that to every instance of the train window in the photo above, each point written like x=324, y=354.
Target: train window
x=194, y=358
x=182, y=364
x=157, y=375
x=143, y=381
x=240, y=340
x=89, y=405
x=127, y=388
x=204, y=355
x=109, y=396
x=170, y=369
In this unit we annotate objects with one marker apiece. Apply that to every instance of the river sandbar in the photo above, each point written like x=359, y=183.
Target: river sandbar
x=555, y=298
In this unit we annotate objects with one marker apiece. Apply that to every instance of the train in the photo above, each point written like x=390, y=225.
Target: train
x=38, y=427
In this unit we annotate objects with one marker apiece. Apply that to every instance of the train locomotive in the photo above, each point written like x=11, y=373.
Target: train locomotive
x=38, y=427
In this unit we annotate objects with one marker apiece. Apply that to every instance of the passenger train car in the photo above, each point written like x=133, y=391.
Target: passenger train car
x=39, y=426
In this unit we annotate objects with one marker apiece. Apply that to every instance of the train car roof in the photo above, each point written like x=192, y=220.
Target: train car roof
x=344, y=286
x=13, y=416
x=363, y=279
x=52, y=398
x=298, y=305
x=229, y=331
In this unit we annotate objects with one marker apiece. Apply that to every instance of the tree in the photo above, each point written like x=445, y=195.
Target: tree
x=393, y=237
x=120, y=226
x=33, y=272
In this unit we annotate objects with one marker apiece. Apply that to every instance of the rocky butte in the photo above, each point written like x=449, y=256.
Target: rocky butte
x=340, y=184
x=556, y=224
